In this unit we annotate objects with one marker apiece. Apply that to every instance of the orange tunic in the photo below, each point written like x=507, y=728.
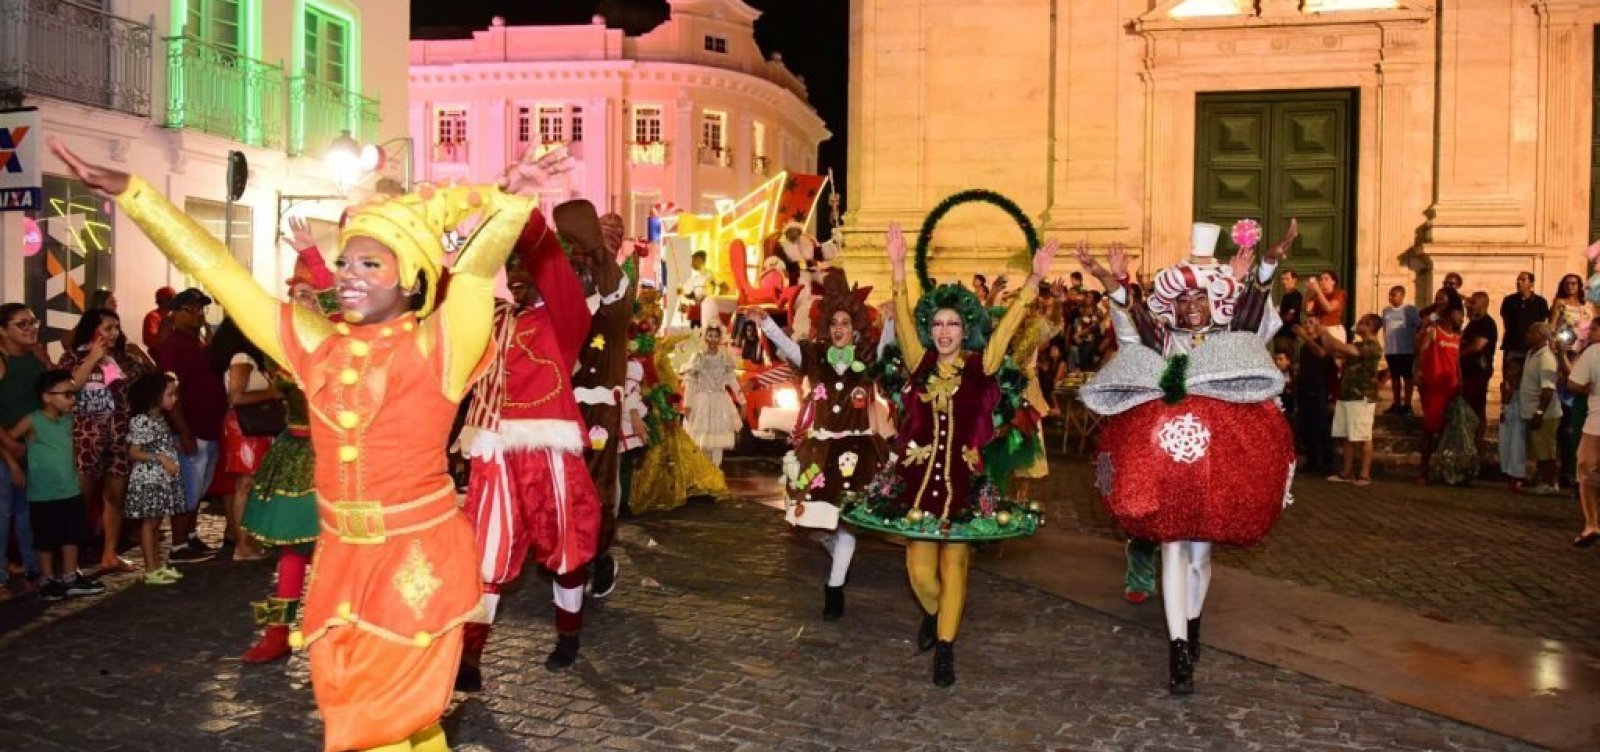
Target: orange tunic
x=395, y=572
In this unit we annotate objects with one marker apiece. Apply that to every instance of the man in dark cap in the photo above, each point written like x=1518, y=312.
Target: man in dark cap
x=202, y=405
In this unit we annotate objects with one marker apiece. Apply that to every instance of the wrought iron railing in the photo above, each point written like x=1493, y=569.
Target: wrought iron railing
x=648, y=152
x=716, y=156
x=219, y=91
x=319, y=111
x=59, y=49
x=450, y=152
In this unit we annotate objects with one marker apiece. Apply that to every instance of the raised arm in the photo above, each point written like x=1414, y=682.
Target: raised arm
x=467, y=312
x=994, y=353
x=539, y=252
x=905, y=321
x=190, y=248
x=781, y=342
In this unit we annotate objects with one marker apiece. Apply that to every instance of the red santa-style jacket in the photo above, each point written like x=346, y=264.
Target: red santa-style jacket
x=525, y=397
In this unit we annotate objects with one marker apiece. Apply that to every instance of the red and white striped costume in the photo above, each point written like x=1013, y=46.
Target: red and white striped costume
x=530, y=492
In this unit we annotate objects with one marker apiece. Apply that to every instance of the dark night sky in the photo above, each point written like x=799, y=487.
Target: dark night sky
x=812, y=35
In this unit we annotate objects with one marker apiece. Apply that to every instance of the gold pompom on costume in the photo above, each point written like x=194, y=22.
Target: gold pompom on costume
x=395, y=574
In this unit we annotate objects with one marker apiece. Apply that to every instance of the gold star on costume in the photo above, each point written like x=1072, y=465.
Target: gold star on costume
x=942, y=386
x=415, y=580
x=599, y=342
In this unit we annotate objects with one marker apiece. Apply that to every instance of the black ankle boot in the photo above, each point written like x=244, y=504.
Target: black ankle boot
x=928, y=633
x=1194, y=640
x=1181, y=667
x=944, y=664
x=832, y=603
x=469, y=678
x=565, y=653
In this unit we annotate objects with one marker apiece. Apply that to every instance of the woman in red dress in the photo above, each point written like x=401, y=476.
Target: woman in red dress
x=1438, y=369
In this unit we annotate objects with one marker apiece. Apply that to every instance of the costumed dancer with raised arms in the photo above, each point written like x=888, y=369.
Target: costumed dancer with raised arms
x=934, y=491
x=282, y=508
x=601, y=377
x=529, y=492
x=395, y=574
x=838, y=452
x=1195, y=450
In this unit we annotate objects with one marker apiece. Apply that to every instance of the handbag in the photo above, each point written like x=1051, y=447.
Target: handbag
x=268, y=418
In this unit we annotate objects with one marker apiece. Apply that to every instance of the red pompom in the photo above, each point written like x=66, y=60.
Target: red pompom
x=1201, y=470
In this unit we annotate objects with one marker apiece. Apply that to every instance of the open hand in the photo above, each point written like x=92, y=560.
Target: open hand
x=1044, y=258
x=1241, y=261
x=895, y=244
x=756, y=314
x=103, y=179
x=526, y=177
x=300, y=234
x=1090, y=266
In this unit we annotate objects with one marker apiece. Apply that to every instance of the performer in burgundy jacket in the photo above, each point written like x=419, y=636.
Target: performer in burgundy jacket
x=529, y=491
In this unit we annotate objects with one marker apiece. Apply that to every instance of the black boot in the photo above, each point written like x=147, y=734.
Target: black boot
x=1194, y=640
x=928, y=633
x=1181, y=667
x=604, y=579
x=469, y=678
x=565, y=653
x=944, y=664
x=832, y=603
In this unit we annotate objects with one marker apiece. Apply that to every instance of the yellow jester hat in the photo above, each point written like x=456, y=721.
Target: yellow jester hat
x=414, y=225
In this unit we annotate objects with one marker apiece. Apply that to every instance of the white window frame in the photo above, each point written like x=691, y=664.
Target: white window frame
x=552, y=123
x=647, y=123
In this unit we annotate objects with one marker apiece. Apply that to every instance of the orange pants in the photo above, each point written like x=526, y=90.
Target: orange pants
x=374, y=691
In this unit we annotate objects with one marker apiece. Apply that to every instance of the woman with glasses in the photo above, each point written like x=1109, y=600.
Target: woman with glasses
x=102, y=367
x=20, y=367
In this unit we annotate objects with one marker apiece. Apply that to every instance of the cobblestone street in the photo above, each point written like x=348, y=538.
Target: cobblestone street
x=712, y=641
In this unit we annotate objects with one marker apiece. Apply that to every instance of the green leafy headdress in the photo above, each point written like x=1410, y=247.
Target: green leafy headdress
x=975, y=321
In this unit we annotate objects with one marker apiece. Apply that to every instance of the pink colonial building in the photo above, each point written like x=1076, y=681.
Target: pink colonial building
x=689, y=113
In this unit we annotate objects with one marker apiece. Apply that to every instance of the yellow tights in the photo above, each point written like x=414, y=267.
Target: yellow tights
x=430, y=739
x=939, y=578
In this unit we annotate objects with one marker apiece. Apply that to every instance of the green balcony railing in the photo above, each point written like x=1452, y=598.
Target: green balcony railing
x=221, y=92
x=319, y=111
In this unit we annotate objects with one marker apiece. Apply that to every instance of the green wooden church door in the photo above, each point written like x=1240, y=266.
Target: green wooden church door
x=1273, y=156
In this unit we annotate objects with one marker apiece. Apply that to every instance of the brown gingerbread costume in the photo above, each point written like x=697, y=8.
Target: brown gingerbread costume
x=601, y=376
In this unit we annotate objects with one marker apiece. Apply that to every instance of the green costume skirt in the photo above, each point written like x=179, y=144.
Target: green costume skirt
x=282, y=510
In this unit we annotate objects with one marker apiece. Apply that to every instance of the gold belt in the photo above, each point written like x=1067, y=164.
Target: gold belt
x=368, y=523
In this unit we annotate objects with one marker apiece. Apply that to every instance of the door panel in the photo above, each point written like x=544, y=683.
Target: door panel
x=1272, y=156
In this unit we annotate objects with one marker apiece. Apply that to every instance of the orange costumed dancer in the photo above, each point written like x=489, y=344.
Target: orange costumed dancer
x=395, y=573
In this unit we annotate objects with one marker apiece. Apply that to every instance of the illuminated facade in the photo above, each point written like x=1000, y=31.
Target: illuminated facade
x=690, y=113
x=1409, y=142
x=166, y=89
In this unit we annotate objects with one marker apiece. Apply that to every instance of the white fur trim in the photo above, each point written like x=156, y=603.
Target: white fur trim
x=595, y=395
x=541, y=433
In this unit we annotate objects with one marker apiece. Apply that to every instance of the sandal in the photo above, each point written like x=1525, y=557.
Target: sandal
x=118, y=565
x=1586, y=540
x=1364, y=481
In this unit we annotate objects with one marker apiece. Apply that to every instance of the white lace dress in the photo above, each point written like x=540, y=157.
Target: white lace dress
x=709, y=384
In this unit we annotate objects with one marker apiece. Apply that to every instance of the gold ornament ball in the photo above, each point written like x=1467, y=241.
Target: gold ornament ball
x=1033, y=506
x=1004, y=518
x=915, y=515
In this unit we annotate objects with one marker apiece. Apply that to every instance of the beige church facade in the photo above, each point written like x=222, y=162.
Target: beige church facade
x=1409, y=137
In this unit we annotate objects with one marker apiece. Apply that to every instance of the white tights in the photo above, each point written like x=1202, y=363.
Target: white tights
x=716, y=456
x=1185, y=577
x=842, y=545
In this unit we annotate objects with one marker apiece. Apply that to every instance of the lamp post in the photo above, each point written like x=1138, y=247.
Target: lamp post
x=348, y=161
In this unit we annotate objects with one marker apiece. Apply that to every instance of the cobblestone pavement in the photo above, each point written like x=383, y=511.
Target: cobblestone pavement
x=1481, y=554
x=711, y=642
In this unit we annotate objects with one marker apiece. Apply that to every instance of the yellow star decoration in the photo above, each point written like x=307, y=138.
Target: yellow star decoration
x=599, y=342
x=973, y=458
x=415, y=580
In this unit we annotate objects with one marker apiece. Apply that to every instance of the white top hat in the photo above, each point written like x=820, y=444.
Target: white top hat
x=1203, y=240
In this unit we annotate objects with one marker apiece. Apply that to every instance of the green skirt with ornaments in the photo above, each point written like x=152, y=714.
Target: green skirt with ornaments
x=282, y=510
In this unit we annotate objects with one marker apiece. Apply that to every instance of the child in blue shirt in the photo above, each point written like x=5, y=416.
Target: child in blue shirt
x=1401, y=323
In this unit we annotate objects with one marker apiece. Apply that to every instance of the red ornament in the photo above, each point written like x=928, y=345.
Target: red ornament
x=1201, y=470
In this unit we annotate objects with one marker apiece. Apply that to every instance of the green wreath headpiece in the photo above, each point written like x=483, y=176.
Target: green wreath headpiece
x=975, y=318
x=970, y=196
x=975, y=321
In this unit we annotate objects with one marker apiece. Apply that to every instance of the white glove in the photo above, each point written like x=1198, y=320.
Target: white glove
x=479, y=443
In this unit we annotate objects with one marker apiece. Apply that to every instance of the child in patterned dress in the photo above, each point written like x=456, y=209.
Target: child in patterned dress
x=154, y=490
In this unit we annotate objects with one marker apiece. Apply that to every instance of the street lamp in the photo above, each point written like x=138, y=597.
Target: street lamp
x=343, y=159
